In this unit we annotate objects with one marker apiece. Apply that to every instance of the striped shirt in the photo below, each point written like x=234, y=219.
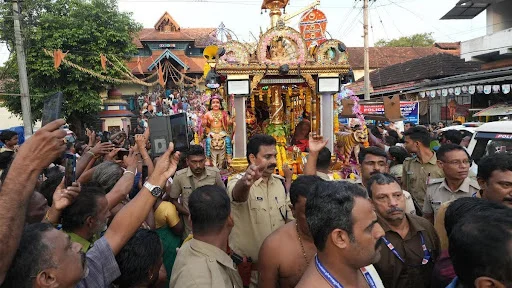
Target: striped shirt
x=102, y=265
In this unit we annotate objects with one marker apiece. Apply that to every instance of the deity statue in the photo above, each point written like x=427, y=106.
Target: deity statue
x=278, y=51
x=219, y=126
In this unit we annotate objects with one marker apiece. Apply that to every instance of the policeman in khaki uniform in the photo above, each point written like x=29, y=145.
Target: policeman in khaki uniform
x=438, y=193
x=187, y=180
x=455, y=162
x=418, y=170
x=203, y=261
x=259, y=206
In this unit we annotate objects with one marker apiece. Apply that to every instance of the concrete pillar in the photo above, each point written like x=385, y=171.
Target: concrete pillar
x=327, y=119
x=240, y=145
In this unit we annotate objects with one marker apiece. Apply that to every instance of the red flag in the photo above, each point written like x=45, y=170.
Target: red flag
x=161, y=76
x=57, y=58
x=103, y=62
x=139, y=65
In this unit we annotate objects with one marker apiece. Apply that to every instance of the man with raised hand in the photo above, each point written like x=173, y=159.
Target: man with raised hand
x=47, y=257
x=259, y=206
x=33, y=156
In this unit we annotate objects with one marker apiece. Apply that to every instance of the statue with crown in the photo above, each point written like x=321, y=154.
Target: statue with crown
x=218, y=129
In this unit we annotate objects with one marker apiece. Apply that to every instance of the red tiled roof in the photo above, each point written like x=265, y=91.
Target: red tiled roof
x=201, y=36
x=195, y=64
x=386, y=56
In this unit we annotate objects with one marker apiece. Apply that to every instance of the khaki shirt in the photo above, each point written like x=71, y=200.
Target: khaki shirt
x=199, y=264
x=392, y=271
x=438, y=193
x=415, y=176
x=409, y=204
x=185, y=182
x=266, y=209
x=439, y=222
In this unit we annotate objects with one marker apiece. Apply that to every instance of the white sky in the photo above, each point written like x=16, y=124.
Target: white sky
x=388, y=18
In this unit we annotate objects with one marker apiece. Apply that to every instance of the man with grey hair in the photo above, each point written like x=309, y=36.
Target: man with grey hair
x=107, y=174
x=410, y=245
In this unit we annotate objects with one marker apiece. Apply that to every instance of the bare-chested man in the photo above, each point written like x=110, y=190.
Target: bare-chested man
x=286, y=253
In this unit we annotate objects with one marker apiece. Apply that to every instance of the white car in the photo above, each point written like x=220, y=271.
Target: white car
x=488, y=139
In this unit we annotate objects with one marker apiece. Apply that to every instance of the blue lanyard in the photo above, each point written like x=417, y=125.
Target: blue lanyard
x=426, y=254
x=334, y=283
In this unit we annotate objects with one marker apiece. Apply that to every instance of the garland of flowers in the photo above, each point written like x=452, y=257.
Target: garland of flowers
x=346, y=93
x=336, y=121
x=102, y=77
x=253, y=104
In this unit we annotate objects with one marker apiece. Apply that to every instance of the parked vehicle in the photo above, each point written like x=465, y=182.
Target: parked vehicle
x=488, y=139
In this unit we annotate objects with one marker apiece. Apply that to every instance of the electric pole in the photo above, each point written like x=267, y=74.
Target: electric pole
x=366, y=56
x=22, y=70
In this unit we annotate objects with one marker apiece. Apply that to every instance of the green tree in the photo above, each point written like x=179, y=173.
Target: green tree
x=85, y=28
x=416, y=40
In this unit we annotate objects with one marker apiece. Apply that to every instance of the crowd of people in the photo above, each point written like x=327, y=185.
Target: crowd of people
x=416, y=217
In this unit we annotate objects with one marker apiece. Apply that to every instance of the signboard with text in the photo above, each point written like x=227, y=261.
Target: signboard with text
x=409, y=109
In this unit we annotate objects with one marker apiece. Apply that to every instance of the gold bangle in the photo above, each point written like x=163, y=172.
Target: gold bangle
x=92, y=153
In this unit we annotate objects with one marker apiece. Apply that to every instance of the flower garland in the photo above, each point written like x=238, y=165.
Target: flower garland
x=356, y=109
x=336, y=121
x=253, y=104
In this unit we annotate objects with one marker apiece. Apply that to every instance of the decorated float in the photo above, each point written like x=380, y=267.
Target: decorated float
x=286, y=85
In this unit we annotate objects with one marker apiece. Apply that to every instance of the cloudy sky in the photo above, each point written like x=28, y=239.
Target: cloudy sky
x=388, y=18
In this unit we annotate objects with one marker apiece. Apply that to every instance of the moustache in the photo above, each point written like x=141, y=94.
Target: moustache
x=378, y=243
x=273, y=166
x=507, y=199
x=394, y=209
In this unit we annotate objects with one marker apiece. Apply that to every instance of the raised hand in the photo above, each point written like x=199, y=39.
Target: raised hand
x=288, y=172
x=165, y=167
x=63, y=197
x=102, y=148
x=253, y=173
x=140, y=140
x=130, y=161
x=316, y=143
x=46, y=145
x=111, y=155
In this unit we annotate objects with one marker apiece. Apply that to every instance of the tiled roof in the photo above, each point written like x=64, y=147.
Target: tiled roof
x=386, y=56
x=201, y=36
x=195, y=64
x=429, y=67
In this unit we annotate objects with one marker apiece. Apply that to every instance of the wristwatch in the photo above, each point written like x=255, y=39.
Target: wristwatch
x=155, y=190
